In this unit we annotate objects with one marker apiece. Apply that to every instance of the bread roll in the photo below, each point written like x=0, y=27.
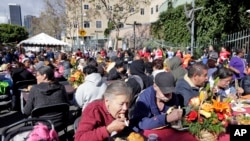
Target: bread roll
x=135, y=137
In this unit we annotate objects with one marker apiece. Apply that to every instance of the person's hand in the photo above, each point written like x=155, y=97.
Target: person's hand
x=237, y=71
x=116, y=125
x=240, y=90
x=175, y=115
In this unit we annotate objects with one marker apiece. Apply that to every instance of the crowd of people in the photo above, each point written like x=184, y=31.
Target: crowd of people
x=136, y=86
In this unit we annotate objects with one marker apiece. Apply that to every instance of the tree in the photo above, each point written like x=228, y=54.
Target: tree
x=221, y=17
x=118, y=11
x=12, y=33
x=171, y=26
x=52, y=20
x=216, y=19
x=73, y=13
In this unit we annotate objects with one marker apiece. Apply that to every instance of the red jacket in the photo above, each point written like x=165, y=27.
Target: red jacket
x=92, y=126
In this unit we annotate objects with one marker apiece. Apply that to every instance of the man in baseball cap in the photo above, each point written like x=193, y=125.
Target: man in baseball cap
x=153, y=107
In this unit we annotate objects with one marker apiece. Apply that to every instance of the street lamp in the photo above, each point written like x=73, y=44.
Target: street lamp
x=134, y=24
x=248, y=11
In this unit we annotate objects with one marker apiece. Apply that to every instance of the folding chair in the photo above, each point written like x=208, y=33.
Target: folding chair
x=57, y=113
x=20, y=130
x=16, y=92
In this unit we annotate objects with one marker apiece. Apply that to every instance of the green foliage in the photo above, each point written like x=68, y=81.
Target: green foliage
x=109, y=28
x=171, y=26
x=211, y=124
x=216, y=19
x=12, y=33
x=220, y=17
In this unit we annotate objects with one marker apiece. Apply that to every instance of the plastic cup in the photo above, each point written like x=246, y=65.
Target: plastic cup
x=152, y=137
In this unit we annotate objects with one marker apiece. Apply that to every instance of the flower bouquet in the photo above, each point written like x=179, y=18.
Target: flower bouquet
x=207, y=118
x=76, y=78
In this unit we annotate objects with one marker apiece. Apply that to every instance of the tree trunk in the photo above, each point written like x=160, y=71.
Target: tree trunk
x=117, y=37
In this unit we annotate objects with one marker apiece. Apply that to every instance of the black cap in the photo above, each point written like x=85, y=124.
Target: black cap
x=165, y=81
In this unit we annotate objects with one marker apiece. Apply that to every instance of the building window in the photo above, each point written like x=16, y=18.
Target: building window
x=110, y=8
x=156, y=8
x=85, y=6
x=131, y=10
x=86, y=24
x=121, y=8
x=121, y=25
x=98, y=24
x=152, y=10
x=142, y=11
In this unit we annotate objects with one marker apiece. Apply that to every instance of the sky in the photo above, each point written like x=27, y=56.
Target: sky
x=28, y=7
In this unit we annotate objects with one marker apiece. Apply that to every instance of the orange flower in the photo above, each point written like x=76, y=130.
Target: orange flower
x=220, y=106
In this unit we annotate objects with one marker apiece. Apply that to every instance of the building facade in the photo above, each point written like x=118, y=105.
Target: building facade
x=15, y=14
x=94, y=20
x=28, y=23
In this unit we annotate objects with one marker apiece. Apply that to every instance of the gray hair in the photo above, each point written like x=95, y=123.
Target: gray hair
x=118, y=87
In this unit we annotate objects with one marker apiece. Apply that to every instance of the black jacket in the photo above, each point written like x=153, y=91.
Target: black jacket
x=45, y=94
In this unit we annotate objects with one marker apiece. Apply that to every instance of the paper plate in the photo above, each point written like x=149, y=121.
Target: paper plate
x=247, y=101
x=176, y=127
x=239, y=109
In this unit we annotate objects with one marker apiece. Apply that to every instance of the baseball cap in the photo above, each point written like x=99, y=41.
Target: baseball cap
x=165, y=81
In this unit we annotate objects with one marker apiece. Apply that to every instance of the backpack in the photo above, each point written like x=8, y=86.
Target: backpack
x=245, y=84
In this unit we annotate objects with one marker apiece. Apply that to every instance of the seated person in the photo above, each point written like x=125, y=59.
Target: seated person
x=92, y=88
x=222, y=88
x=189, y=86
x=116, y=72
x=103, y=117
x=46, y=92
x=153, y=103
x=20, y=73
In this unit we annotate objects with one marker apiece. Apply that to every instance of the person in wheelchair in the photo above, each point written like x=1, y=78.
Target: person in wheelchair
x=46, y=92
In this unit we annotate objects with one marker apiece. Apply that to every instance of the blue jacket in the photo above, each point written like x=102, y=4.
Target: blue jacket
x=146, y=114
x=186, y=89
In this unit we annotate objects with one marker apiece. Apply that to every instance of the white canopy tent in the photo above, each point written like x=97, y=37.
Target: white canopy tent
x=42, y=39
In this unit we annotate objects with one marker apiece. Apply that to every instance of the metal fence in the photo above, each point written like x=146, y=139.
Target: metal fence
x=235, y=40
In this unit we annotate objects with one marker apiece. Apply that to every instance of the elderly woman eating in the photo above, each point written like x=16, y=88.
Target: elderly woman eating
x=101, y=118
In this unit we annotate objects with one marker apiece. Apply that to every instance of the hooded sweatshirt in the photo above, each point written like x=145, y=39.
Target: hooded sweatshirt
x=92, y=89
x=45, y=94
x=137, y=67
x=176, y=68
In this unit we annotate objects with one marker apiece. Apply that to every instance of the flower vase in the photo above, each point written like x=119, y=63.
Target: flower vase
x=207, y=136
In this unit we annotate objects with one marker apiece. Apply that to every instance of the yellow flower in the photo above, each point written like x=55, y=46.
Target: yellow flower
x=202, y=95
x=207, y=107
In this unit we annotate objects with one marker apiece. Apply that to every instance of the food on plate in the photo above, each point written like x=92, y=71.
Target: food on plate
x=238, y=109
x=135, y=137
x=243, y=119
